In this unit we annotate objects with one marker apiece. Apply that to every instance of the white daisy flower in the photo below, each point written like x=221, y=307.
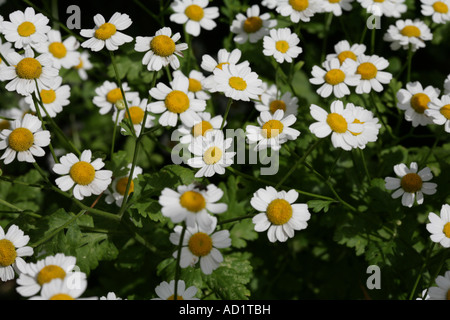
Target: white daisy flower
x=410, y=184
x=25, y=139
x=192, y=204
x=447, y=85
x=370, y=125
x=340, y=123
x=271, y=4
x=161, y=50
x=84, y=64
x=200, y=128
x=336, y=6
x=210, y=154
x=62, y=290
x=278, y=214
x=107, y=33
x=224, y=57
x=335, y=78
x=25, y=28
x=109, y=93
x=176, y=102
x=343, y=50
x=54, y=98
x=110, y=296
x=196, y=79
x=137, y=109
x=166, y=291
x=83, y=173
x=442, y=291
x=439, y=227
x=13, y=246
x=273, y=130
x=64, y=53
x=408, y=32
x=25, y=69
x=119, y=187
x=387, y=8
x=272, y=100
x=437, y=9
x=282, y=44
x=372, y=75
x=414, y=100
x=251, y=27
x=298, y=10
x=439, y=111
x=238, y=83
x=200, y=245
x=35, y=275
x=195, y=15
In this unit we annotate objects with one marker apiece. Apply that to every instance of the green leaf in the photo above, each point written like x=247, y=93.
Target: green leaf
x=319, y=205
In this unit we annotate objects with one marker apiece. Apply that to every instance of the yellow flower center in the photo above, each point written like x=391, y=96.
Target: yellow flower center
x=193, y=201
x=137, y=114
x=80, y=65
x=61, y=296
x=346, y=54
x=121, y=186
x=221, y=64
x=212, y=155
x=172, y=297
x=82, y=173
x=57, y=49
x=114, y=95
x=50, y=272
x=299, y=5
x=411, y=182
x=334, y=76
x=8, y=253
x=252, y=24
x=162, y=45
x=200, y=244
x=410, y=31
x=282, y=46
x=334, y=1
x=194, y=85
x=194, y=12
x=279, y=211
x=337, y=122
x=419, y=102
x=440, y=7
x=237, y=83
x=26, y=29
x=445, y=111
x=29, y=68
x=177, y=101
x=367, y=71
x=21, y=139
x=201, y=128
x=105, y=31
x=380, y=1
x=277, y=105
x=48, y=96
x=272, y=128
x=356, y=133
x=446, y=229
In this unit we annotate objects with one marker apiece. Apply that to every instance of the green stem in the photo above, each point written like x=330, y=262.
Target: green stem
x=299, y=161
x=119, y=82
x=177, y=267
x=413, y=291
x=363, y=159
x=372, y=40
x=329, y=18
x=149, y=12
x=410, y=53
x=249, y=216
x=114, y=134
x=19, y=210
x=227, y=110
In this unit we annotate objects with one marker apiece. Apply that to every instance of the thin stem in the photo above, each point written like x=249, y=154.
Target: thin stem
x=363, y=159
x=227, y=110
x=299, y=161
x=329, y=18
x=410, y=53
x=149, y=12
x=19, y=210
x=168, y=73
x=119, y=82
x=372, y=40
x=235, y=219
x=114, y=134
x=413, y=291
x=177, y=267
